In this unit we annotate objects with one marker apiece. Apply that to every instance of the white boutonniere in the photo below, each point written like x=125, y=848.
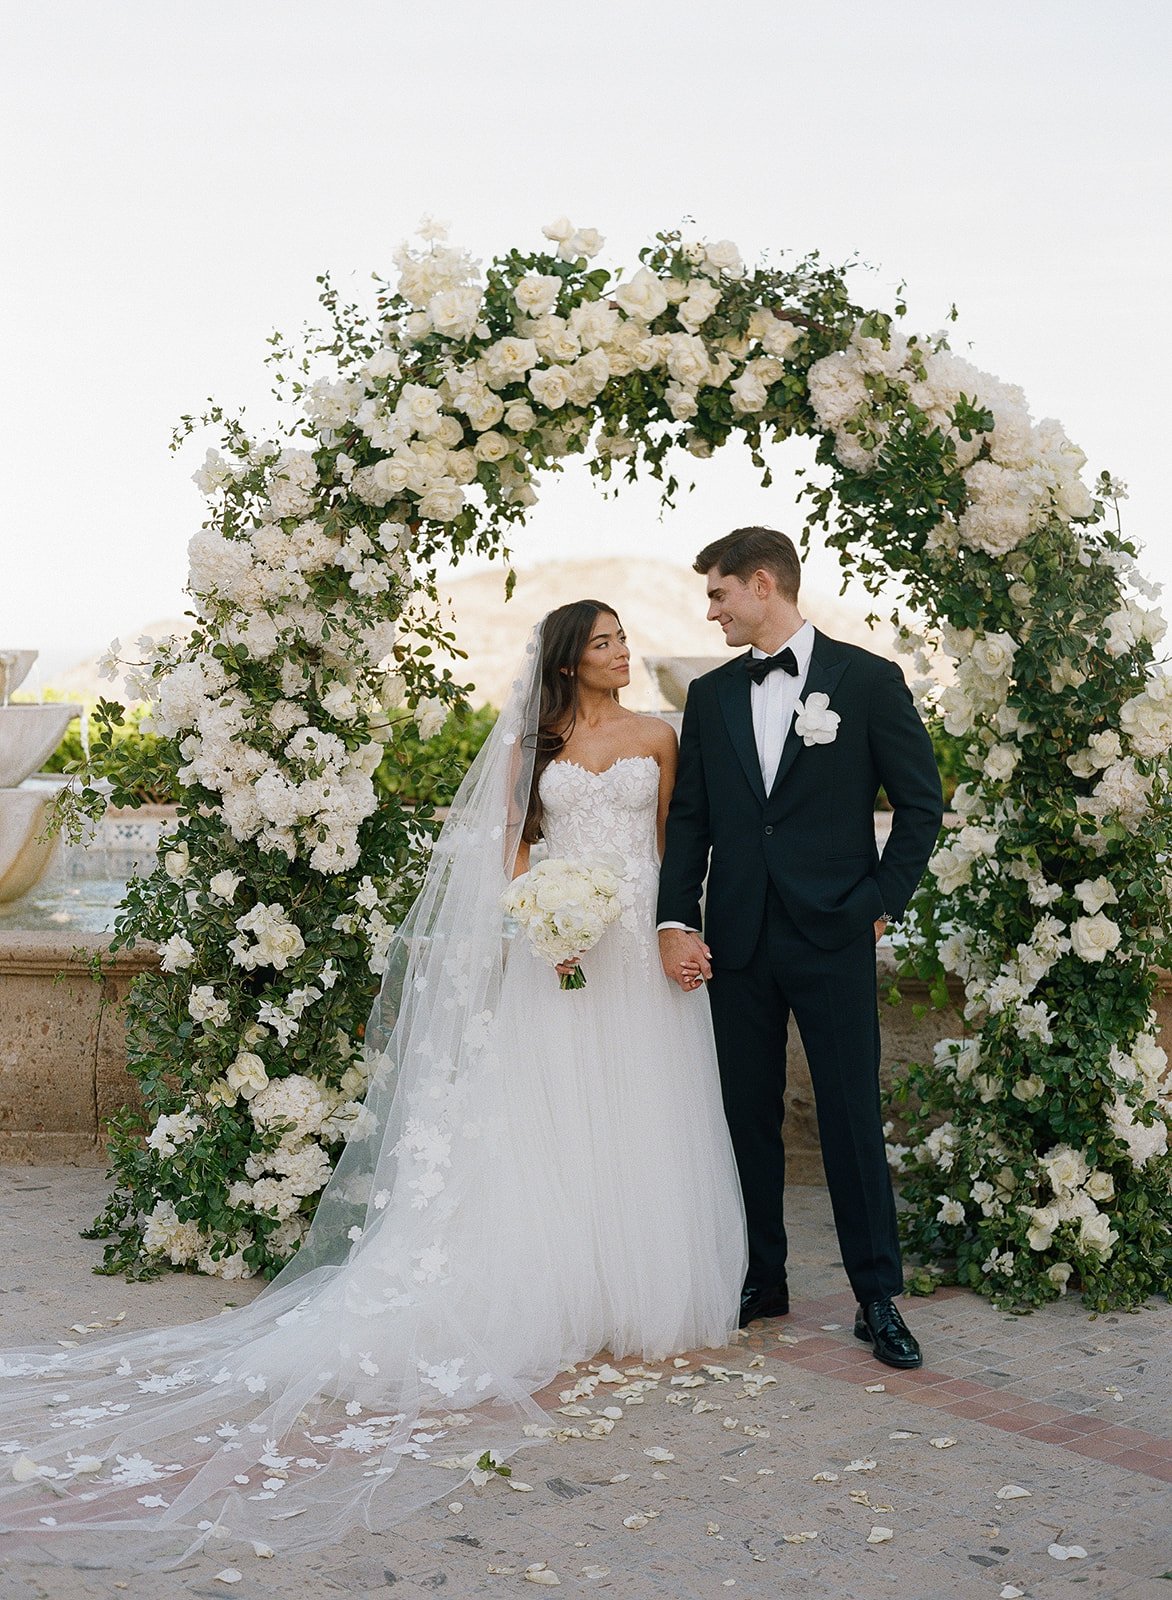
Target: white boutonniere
x=815, y=723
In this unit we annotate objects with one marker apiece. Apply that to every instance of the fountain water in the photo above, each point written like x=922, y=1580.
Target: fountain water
x=28, y=734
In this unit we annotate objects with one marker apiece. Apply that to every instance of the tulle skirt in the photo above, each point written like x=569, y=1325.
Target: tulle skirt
x=583, y=1197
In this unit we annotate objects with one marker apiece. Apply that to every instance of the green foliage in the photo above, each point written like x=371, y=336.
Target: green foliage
x=429, y=771
x=138, y=765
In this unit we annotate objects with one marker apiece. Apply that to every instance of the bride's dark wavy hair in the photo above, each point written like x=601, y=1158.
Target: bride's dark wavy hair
x=564, y=636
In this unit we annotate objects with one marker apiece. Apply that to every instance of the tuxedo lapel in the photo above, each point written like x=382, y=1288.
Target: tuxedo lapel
x=735, y=703
x=826, y=668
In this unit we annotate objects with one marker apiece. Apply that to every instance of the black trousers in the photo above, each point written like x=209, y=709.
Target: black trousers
x=832, y=997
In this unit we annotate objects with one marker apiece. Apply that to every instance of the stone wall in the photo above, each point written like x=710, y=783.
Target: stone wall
x=62, y=1046
x=63, y=1058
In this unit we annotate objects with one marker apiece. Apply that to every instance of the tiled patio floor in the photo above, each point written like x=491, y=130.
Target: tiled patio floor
x=1067, y=1406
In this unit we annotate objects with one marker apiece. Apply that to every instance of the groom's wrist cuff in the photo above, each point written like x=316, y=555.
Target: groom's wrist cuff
x=683, y=926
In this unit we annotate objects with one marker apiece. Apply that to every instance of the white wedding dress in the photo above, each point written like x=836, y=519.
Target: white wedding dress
x=573, y=1191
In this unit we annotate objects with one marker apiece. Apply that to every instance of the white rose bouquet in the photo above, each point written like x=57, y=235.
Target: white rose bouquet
x=564, y=908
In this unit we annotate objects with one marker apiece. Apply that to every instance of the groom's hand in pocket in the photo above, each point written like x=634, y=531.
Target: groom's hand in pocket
x=686, y=959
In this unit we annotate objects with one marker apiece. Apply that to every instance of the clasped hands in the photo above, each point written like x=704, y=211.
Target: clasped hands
x=687, y=960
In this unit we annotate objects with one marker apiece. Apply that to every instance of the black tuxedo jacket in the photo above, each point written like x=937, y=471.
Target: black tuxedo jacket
x=813, y=835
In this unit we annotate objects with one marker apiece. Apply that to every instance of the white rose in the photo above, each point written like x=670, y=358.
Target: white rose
x=455, y=312
x=224, y=884
x=1093, y=937
x=491, y=447
x=430, y=716
x=950, y=1212
x=1066, y=1169
x=1100, y=1185
x=177, y=954
x=176, y=862
x=559, y=230
x=778, y=336
x=550, y=387
x=643, y=296
x=724, y=257
x=701, y=301
x=508, y=360
x=993, y=654
x=1095, y=893
x=594, y=323
x=748, y=392
x=246, y=1075
x=536, y=293
x=589, y=242
x=1027, y=1089
x=687, y=359
x=951, y=868
x=520, y=416
x=681, y=402
x=1000, y=762
x=338, y=700
x=443, y=502
x=383, y=364
x=1096, y=1234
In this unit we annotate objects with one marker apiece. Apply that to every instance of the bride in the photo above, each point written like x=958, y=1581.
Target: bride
x=541, y=1175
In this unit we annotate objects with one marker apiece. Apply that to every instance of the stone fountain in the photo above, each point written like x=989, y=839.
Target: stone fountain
x=28, y=735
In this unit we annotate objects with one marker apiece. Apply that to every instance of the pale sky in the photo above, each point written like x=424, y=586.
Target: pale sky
x=176, y=175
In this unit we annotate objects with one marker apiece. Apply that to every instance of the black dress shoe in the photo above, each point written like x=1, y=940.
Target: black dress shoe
x=769, y=1302
x=891, y=1340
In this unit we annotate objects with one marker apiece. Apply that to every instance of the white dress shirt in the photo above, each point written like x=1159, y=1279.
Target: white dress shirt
x=775, y=700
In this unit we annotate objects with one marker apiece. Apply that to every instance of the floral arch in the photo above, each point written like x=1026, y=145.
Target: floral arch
x=1039, y=1150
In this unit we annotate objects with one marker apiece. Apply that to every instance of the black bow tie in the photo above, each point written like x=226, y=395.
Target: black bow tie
x=761, y=666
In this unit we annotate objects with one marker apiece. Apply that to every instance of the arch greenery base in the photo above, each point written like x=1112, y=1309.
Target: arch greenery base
x=419, y=428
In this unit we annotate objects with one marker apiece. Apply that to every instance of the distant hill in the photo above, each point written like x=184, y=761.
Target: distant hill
x=662, y=607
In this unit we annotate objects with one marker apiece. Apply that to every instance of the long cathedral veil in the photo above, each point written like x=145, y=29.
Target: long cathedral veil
x=337, y=1395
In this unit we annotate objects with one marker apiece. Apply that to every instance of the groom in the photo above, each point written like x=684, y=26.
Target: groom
x=782, y=753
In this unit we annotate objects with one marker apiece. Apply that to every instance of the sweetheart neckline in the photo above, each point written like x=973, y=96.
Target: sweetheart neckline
x=590, y=772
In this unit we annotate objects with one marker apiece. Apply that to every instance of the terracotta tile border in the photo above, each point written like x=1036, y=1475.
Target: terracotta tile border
x=990, y=1405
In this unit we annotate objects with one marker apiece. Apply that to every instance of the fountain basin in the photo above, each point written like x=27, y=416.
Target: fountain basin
x=14, y=669
x=25, y=852
x=28, y=736
x=673, y=674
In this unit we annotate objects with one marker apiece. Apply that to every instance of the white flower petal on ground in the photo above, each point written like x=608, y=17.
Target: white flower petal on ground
x=943, y=1442
x=879, y=1535
x=1067, y=1552
x=1013, y=1491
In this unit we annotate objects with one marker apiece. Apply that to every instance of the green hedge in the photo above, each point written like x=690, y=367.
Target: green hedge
x=420, y=771
x=429, y=771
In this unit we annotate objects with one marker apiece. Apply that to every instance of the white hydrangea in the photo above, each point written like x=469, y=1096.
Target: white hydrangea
x=164, y=1234
x=294, y=1100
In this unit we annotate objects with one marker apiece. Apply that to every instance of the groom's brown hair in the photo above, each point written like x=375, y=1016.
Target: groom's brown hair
x=748, y=550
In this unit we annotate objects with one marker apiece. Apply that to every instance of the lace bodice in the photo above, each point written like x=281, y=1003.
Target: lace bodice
x=613, y=810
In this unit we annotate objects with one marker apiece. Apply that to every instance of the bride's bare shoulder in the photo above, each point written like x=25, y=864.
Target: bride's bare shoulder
x=660, y=735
